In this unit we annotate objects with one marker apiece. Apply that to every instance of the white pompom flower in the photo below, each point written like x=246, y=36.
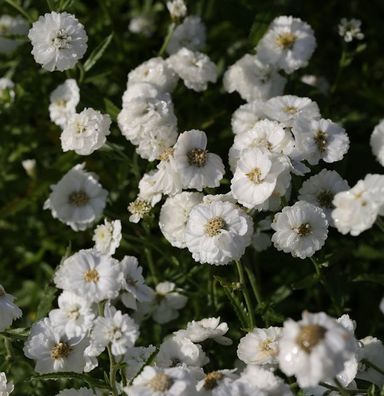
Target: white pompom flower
x=255, y=177
x=197, y=167
x=64, y=100
x=288, y=44
x=78, y=199
x=320, y=140
x=314, y=349
x=107, y=237
x=85, y=132
x=90, y=275
x=260, y=346
x=253, y=79
x=8, y=310
x=74, y=317
x=218, y=232
x=6, y=388
x=174, y=216
x=189, y=34
x=247, y=116
x=321, y=189
x=194, y=68
x=59, y=41
x=53, y=351
x=377, y=142
x=300, y=229
x=116, y=329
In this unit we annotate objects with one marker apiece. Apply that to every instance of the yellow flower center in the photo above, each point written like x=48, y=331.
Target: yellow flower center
x=309, y=336
x=91, y=276
x=211, y=380
x=321, y=141
x=60, y=350
x=304, y=229
x=255, y=176
x=160, y=382
x=286, y=40
x=214, y=226
x=197, y=157
x=78, y=198
x=166, y=154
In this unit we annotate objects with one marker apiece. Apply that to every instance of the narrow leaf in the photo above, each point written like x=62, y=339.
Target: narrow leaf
x=97, y=53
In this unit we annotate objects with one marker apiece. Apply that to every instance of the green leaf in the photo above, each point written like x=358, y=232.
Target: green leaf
x=20, y=9
x=373, y=278
x=111, y=109
x=45, y=304
x=260, y=26
x=97, y=53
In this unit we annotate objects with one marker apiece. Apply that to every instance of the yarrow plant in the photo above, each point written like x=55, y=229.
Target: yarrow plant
x=192, y=205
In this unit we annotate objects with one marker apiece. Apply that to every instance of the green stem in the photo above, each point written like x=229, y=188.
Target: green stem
x=246, y=295
x=342, y=390
x=151, y=265
x=19, y=9
x=317, y=268
x=167, y=38
x=112, y=371
x=254, y=283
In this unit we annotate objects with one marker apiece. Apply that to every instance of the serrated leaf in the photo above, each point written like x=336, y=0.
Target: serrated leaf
x=97, y=53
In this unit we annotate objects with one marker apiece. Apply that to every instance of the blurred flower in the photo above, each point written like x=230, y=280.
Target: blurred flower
x=142, y=24
x=6, y=388
x=78, y=199
x=59, y=41
x=177, y=9
x=64, y=100
x=8, y=310
x=12, y=32
x=320, y=82
x=29, y=166
x=350, y=29
x=377, y=142
x=7, y=93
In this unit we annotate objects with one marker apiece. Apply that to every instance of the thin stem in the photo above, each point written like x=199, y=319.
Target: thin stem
x=342, y=390
x=151, y=265
x=19, y=9
x=167, y=38
x=317, y=268
x=112, y=371
x=246, y=295
x=254, y=284
x=372, y=365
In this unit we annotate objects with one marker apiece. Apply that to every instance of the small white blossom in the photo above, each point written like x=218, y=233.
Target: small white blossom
x=8, y=310
x=300, y=229
x=218, y=232
x=142, y=24
x=288, y=44
x=247, y=116
x=377, y=142
x=177, y=9
x=85, y=132
x=189, y=34
x=350, y=29
x=89, y=274
x=59, y=41
x=139, y=208
x=64, y=100
x=107, y=237
x=78, y=199
x=6, y=388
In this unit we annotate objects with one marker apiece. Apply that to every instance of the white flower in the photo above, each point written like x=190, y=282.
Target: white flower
x=168, y=301
x=135, y=360
x=372, y=350
x=189, y=34
x=149, y=189
x=155, y=381
x=356, y=209
x=6, y=388
x=321, y=189
x=260, y=346
x=253, y=79
x=177, y=9
x=132, y=283
x=59, y=41
x=218, y=232
x=288, y=44
x=261, y=240
x=377, y=142
x=155, y=71
x=53, y=351
x=300, y=229
x=74, y=317
x=90, y=275
x=78, y=199
x=350, y=29
x=314, y=349
x=289, y=108
x=64, y=100
x=255, y=177
x=179, y=350
x=320, y=82
x=320, y=139
x=247, y=116
x=194, y=68
x=107, y=237
x=12, y=30
x=8, y=310
x=7, y=93
x=76, y=392
x=266, y=134
x=197, y=167
x=265, y=381
x=115, y=329
x=204, y=329
x=139, y=208
x=85, y=132
x=216, y=383
x=174, y=216
x=142, y=24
